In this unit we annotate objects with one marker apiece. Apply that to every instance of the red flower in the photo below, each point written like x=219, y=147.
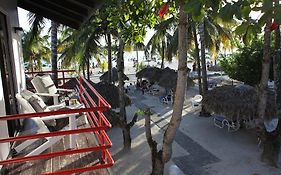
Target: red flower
x=273, y=26
x=164, y=9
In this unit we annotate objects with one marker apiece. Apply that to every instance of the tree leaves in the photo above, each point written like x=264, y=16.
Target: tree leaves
x=195, y=7
x=228, y=12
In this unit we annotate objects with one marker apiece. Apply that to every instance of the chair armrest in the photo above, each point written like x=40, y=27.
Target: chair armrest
x=62, y=106
x=66, y=90
x=56, y=107
x=47, y=94
x=57, y=116
x=77, y=106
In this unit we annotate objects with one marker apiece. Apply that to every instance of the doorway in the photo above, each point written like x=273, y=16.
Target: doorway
x=7, y=74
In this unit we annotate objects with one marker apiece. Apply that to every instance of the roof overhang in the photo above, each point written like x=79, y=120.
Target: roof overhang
x=72, y=13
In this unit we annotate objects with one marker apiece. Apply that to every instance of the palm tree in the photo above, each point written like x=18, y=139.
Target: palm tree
x=79, y=46
x=38, y=24
x=160, y=39
x=36, y=51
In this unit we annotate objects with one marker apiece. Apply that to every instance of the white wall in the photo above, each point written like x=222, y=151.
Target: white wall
x=9, y=8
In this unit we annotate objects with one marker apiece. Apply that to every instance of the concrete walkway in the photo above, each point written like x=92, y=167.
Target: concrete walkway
x=199, y=148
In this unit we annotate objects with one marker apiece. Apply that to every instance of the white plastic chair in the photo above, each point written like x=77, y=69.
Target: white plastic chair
x=46, y=88
x=196, y=100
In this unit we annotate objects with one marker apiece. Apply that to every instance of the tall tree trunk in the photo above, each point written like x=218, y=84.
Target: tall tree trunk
x=277, y=68
x=109, y=59
x=163, y=53
x=262, y=95
x=31, y=64
x=54, y=54
x=197, y=59
x=123, y=117
x=271, y=144
x=173, y=126
x=83, y=69
x=137, y=54
x=88, y=56
x=156, y=156
x=201, y=29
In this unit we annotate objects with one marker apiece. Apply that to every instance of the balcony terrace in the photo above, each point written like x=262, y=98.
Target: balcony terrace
x=88, y=154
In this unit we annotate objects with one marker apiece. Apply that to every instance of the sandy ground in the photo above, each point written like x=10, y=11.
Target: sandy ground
x=200, y=148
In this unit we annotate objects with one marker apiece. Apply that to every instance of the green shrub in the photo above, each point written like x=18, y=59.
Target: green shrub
x=246, y=64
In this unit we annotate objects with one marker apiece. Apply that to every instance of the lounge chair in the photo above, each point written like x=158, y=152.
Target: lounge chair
x=31, y=103
x=168, y=99
x=46, y=88
x=221, y=122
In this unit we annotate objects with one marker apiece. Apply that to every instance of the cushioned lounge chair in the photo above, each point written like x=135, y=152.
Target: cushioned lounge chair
x=31, y=103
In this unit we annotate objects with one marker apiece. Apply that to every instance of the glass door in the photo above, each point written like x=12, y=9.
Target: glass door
x=7, y=75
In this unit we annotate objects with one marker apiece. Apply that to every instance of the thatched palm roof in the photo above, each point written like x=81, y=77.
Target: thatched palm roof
x=108, y=91
x=168, y=78
x=215, y=68
x=236, y=102
x=114, y=75
x=152, y=74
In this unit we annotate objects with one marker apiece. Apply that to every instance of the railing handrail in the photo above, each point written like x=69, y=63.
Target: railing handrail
x=46, y=114
x=102, y=100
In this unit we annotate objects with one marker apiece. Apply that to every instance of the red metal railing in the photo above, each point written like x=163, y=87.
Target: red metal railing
x=98, y=125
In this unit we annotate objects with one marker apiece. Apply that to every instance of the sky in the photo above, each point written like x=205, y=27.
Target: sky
x=23, y=19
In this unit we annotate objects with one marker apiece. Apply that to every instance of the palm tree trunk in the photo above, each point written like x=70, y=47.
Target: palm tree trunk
x=54, y=54
x=163, y=53
x=197, y=59
x=137, y=54
x=201, y=29
x=271, y=144
x=109, y=59
x=31, y=64
x=83, y=69
x=88, y=56
x=180, y=88
x=123, y=117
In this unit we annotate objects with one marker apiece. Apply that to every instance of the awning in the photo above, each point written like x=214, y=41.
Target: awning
x=72, y=13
